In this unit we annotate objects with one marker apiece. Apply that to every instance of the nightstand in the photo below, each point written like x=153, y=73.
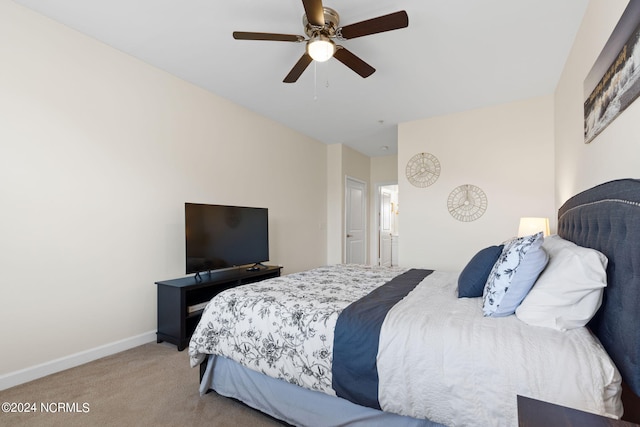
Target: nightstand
x=536, y=413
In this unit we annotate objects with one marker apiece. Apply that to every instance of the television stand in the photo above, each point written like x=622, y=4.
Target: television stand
x=182, y=301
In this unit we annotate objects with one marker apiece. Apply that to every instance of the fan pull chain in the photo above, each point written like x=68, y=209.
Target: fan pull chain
x=315, y=80
x=327, y=83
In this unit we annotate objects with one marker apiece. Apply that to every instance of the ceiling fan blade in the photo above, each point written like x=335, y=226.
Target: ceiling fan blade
x=242, y=35
x=298, y=69
x=314, y=11
x=353, y=62
x=393, y=21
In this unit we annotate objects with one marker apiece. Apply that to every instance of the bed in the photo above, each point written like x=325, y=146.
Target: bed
x=393, y=346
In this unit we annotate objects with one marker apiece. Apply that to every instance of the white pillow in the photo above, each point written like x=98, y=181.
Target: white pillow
x=513, y=275
x=569, y=291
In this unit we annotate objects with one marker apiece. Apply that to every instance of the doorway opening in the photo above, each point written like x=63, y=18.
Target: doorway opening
x=388, y=231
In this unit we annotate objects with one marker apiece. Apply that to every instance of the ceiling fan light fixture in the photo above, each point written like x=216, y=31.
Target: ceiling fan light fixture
x=321, y=48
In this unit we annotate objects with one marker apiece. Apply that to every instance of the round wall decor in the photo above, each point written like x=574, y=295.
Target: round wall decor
x=423, y=169
x=467, y=203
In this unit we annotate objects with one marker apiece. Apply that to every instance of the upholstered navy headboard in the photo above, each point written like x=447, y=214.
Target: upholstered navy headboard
x=607, y=218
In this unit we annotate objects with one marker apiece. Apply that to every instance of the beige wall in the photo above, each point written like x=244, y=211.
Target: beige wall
x=335, y=204
x=98, y=154
x=615, y=153
x=355, y=164
x=505, y=150
x=384, y=170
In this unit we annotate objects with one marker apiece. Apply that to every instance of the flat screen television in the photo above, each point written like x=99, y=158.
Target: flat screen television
x=219, y=236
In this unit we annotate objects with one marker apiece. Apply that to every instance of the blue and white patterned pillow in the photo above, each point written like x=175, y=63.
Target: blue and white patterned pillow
x=514, y=273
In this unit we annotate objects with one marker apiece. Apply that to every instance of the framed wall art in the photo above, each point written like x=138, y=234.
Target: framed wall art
x=614, y=81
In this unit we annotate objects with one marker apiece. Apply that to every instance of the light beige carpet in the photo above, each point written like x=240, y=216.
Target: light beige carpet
x=150, y=385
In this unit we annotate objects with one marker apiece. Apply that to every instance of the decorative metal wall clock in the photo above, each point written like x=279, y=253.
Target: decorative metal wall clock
x=423, y=169
x=467, y=203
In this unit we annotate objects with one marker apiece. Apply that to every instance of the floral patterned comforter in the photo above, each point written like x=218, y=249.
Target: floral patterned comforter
x=438, y=357
x=283, y=327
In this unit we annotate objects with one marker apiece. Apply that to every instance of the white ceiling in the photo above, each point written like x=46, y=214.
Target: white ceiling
x=456, y=55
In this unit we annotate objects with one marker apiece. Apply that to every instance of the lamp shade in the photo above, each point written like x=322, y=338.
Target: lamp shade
x=321, y=48
x=530, y=225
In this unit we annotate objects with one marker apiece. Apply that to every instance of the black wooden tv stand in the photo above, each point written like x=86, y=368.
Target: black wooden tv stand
x=181, y=301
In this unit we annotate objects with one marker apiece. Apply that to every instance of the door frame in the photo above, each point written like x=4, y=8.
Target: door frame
x=365, y=219
x=375, y=247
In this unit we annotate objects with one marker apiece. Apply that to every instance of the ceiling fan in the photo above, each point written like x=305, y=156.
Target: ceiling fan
x=321, y=27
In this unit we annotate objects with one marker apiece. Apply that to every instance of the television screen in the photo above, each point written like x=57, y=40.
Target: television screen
x=220, y=236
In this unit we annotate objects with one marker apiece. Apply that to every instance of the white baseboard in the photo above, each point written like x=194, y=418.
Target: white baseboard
x=38, y=371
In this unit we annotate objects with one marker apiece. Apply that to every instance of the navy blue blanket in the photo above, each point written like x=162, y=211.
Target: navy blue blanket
x=356, y=339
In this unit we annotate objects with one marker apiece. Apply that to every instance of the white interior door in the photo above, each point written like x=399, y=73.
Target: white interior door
x=384, y=236
x=356, y=221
